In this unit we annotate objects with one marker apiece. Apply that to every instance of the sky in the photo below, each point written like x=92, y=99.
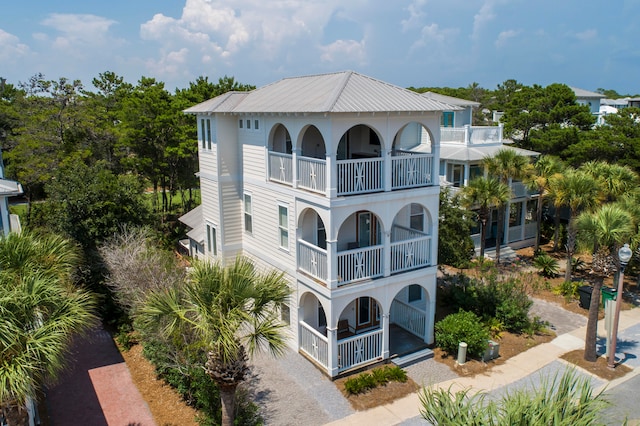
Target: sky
x=419, y=43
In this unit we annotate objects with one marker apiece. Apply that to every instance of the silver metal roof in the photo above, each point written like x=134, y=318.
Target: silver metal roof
x=451, y=100
x=10, y=187
x=478, y=152
x=346, y=91
x=581, y=93
x=193, y=218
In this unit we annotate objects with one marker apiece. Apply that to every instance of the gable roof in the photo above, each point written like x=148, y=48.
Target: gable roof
x=451, y=100
x=340, y=92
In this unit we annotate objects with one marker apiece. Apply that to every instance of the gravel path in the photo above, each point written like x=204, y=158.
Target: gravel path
x=292, y=391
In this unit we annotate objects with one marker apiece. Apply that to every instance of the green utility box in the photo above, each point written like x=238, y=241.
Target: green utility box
x=608, y=293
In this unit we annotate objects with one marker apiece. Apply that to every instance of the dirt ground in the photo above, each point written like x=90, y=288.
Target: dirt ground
x=379, y=396
x=599, y=368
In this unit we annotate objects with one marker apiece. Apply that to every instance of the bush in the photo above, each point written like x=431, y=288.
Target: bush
x=378, y=377
x=463, y=326
x=568, y=289
x=547, y=266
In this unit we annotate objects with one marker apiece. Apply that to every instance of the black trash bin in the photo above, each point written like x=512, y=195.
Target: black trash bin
x=585, y=296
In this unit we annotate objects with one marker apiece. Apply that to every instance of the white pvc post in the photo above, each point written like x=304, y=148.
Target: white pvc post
x=462, y=353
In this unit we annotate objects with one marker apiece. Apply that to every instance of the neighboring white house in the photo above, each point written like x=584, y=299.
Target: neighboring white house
x=8, y=188
x=463, y=147
x=591, y=99
x=193, y=245
x=332, y=179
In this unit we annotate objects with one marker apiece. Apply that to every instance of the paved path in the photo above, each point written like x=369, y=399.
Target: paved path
x=98, y=390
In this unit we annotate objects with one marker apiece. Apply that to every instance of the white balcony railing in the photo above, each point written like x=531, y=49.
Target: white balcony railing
x=281, y=167
x=359, y=349
x=359, y=176
x=314, y=344
x=471, y=134
x=312, y=260
x=408, y=317
x=312, y=174
x=410, y=254
x=358, y=264
x=410, y=171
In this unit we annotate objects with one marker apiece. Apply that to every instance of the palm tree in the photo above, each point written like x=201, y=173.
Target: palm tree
x=544, y=170
x=485, y=194
x=228, y=311
x=578, y=191
x=610, y=225
x=505, y=165
x=615, y=180
x=41, y=311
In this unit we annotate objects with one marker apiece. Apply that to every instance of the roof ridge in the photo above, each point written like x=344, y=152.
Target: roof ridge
x=333, y=99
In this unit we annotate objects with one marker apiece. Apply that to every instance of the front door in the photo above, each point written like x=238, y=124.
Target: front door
x=368, y=313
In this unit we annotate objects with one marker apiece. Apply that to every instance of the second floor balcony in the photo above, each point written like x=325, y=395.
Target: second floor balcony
x=471, y=135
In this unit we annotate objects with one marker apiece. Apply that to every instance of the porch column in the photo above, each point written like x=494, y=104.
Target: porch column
x=332, y=355
x=505, y=225
x=332, y=176
x=387, y=169
x=385, y=335
x=430, y=317
x=294, y=164
x=332, y=263
x=386, y=250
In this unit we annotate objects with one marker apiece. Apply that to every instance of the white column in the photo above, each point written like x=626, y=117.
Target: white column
x=430, y=318
x=332, y=263
x=385, y=335
x=294, y=163
x=386, y=253
x=387, y=169
x=332, y=356
x=332, y=176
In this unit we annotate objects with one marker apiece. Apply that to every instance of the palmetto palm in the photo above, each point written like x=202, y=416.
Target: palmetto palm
x=615, y=180
x=485, y=194
x=40, y=311
x=610, y=225
x=505, y=165
x=227, y=311
x=544, y=169
x=579, y=192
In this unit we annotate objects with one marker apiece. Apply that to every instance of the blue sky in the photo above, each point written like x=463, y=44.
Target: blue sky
x=587, y=44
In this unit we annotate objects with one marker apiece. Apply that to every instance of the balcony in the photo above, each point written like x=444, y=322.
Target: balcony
x=470, y=135
x=407, y=250
x=354, y=176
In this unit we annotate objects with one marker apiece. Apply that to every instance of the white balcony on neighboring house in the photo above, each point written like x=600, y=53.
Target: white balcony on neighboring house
x=469, y=135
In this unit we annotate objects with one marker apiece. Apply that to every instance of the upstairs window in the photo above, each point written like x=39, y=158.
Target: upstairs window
x=447, y=119
x=248, y=217
x=283, y=226
x=212, y=246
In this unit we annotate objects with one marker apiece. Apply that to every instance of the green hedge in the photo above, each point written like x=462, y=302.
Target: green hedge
x=463, y=326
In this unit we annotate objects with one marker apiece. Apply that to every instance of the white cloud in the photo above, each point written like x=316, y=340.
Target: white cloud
x=433, y=34
x=587, y=35
x=415, y=15
x=484, y=16
x=505, y=36
x=354, y=51
x=10, y=47
x=79, y=31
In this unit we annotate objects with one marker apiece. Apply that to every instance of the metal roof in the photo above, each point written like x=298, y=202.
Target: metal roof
x=581, y=93
x=451, y=100
x=193, y=218
x=340, y=92
x=477, y=152
x=10, y=187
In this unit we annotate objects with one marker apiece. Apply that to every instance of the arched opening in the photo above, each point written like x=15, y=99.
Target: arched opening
x=360, y=247
x=280, y=155
x=313, y=143
x=411, y=239
x=409, y=320
x=312, y=244
x=359, y=161
x=360, y=334
x=412, y=157
x=280, y=140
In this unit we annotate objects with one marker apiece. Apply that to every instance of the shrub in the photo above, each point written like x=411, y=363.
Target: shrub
x=566, y=400
x=547, y=266
x=568, y=289
x=465, y=327
x=377, y=377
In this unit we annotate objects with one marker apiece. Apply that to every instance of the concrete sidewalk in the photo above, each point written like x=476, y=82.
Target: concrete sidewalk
x=513, y=370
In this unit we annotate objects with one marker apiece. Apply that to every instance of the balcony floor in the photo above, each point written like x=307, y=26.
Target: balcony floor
x=401, y=342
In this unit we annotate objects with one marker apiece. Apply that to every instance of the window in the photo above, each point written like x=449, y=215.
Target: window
x=415, y=293
x=447, y=119
x=208, y=134
x=212, y=245
x=283, y=226
x=455, y=174
x=256, y=124
x=416, y=218
x=248, y=220
x=248, y=124
x=202, y=133
x=475, y=170
x=285, y=314
x=240, y=124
